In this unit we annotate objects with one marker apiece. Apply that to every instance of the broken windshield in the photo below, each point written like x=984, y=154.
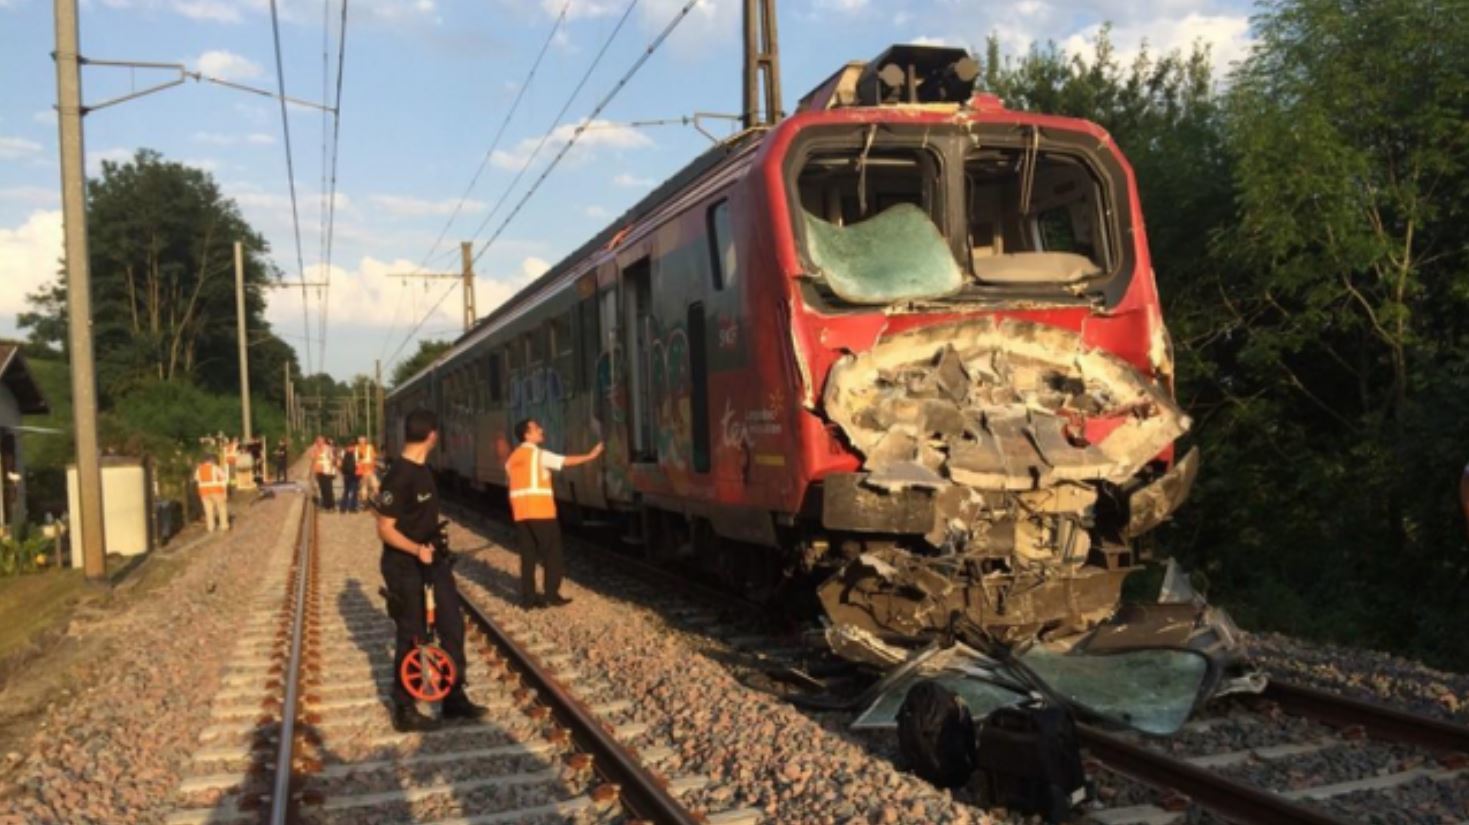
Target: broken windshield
x=899, y=254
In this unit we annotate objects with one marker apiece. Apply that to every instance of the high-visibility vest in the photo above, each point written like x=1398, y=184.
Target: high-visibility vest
x=211, y=481
x=531, y=497
x=325, y=466
x=366, y=458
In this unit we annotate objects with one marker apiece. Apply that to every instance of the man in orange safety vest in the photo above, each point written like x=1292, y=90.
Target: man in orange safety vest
x=366, y=455
x=533, y=506
x=213, y=493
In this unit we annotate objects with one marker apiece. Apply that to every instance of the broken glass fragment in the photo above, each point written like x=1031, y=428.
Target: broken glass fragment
x=897, y=254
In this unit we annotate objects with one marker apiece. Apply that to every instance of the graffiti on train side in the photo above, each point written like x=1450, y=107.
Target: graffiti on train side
x=540, y=393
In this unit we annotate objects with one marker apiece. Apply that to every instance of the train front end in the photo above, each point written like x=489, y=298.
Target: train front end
x=985, y=369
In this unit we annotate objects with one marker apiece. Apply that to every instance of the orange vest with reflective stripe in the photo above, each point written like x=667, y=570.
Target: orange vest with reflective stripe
x=211, y=480
x=366, y=458
x=531, y=497
x=325, y=465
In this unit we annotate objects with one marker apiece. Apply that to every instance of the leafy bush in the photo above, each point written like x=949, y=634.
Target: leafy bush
x=19, y=555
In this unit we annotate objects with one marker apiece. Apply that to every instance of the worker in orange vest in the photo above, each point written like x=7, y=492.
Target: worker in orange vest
x=366, y=456
x=533, y=506
x=214, y=489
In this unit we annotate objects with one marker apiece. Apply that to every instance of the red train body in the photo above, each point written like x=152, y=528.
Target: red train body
x=906, y=343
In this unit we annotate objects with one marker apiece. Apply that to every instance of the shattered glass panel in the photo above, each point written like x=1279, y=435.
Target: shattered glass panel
x=1151, y=690
x=897, y=254
x=980, y=696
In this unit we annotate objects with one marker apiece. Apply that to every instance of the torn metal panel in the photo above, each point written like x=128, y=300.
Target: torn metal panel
x=974, y=437
x=1151, y=505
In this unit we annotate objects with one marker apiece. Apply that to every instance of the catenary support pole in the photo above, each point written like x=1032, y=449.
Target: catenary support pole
x=286, y=368
x=244, y=344
x=466, y=257
x=377, y=377
x=79, y=291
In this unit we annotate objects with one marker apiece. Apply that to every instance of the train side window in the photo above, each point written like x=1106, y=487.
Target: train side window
x=699, y=386
x=493, y=379
x=589, y=345
x=724, y=260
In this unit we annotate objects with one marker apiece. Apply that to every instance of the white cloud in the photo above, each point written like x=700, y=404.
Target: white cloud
x=596, y=212
x=222, y=139
x=45, y=117
x=211, y=10
x=408, y=206
x=31, y=195
x=925, y=40
x=633, y=181
x=841, y=6
x=579, y=9
x=116, y=154
x=29, y=258
x=227, y=65
x=15, y=148
x=1227, y=36
x=598, y=134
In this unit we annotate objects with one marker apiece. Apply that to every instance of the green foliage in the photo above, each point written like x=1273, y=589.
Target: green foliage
x=408, y=367
x=1307, y=224
x=161, y=236
x=19, y=555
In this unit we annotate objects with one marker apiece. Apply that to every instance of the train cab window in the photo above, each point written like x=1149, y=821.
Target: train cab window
x=724, y=258
x=1034, y=217
x=872, y=223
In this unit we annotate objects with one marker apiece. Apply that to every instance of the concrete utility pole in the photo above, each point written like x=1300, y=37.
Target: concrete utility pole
x=79, y=291
x=465, y=276
x=377, y=380
x=290, y=406
x=367, y=411
x=244, y=352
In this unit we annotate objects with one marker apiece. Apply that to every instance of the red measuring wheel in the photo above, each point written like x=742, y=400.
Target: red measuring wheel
x=428, y=672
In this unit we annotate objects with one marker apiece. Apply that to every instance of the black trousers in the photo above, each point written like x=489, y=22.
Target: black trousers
x=405, y=578
x=328, y=500
x=540, y=543
x=280, y=472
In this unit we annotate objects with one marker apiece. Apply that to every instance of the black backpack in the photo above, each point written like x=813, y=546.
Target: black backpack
x=936, y=734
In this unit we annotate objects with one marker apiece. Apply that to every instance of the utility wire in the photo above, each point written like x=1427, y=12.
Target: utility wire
x=582, y=127
x=280, y=75
x=602, y=104
x=565, y=107
x=331, y=213
x=489, y=153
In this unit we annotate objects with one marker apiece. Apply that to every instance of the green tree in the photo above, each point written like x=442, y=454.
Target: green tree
x=1339, y=364
x=161, y=237
x=409, y=367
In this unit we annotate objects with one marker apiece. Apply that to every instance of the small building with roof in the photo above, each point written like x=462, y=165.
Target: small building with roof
x=20, y=395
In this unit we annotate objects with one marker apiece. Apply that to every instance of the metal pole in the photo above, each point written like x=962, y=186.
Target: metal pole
x=367, y=411
x=466, y=257
x=240, y=327
x=377, y=380
x=79, y=291
x=286, y=367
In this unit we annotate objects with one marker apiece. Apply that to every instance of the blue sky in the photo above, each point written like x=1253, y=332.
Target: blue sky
x=426, y=86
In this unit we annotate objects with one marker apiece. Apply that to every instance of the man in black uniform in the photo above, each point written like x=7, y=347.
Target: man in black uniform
x=408, y=523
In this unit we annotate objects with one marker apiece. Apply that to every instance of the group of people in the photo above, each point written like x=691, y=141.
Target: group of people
x=356, y=464
x=408, y=526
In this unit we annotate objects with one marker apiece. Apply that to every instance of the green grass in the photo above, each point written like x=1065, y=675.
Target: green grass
x=33, y=603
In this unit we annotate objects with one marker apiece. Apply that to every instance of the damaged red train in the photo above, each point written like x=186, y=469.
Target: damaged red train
x=905, y=344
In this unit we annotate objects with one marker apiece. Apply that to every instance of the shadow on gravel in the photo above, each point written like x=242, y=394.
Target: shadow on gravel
x=353, y=599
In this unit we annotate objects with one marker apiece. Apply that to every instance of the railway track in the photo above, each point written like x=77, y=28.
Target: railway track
x=302, y=734
x=1297, y=730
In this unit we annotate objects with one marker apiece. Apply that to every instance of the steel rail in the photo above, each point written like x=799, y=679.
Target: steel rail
x=280, y=795
x=1233, y=800
x=1378, y=720
x=644, y=795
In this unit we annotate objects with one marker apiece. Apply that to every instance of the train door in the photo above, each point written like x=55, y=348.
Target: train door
x=637, y=290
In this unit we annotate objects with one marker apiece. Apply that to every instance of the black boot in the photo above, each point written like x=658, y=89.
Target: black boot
x=458, y=706
x=407, y=719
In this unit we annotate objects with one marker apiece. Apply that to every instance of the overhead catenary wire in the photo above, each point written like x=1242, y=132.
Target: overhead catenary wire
x=280, y=76
x=582, y=127
x=331, y=197
x=555, y=122
x=489, y=153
